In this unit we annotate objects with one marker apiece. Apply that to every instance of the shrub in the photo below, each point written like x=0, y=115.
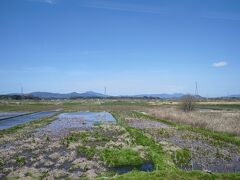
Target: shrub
x=188, y=103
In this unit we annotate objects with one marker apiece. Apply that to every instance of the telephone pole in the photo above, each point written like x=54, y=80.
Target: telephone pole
x=21, y=91
x=105, y=90
x=196, y=89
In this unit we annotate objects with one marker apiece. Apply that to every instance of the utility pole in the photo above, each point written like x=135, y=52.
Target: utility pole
x=21, y=91
x=105, y=91
x=196, y=89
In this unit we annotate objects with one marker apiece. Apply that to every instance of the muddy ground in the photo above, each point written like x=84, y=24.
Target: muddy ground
x=81, y=152
x=205, y=153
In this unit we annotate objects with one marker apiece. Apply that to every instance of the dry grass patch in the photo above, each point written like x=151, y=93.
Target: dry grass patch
x=217, y=120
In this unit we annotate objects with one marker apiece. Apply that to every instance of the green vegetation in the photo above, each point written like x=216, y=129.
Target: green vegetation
x=120, y=157
x=86, y=151
x=1, y=163
x=182, y=157
x=163, y=162
x=75, y=137
x=219, y=106
x=29, y=174
x=125, y=103
x=116, y=145
x=20, y=161
x=27, y=106
x=217, y=136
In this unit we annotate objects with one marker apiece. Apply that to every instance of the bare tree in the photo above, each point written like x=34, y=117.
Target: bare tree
x=188, y=103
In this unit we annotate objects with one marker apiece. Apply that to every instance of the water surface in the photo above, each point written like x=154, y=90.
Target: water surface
x=11, y=122
x=75, y=120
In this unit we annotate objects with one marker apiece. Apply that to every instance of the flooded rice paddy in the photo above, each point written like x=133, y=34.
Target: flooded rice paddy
x=6, y=115
x=20, y=118
x=90, y=144
x=66, y=122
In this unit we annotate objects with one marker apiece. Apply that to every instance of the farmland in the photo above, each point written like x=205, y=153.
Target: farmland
x=144, y=139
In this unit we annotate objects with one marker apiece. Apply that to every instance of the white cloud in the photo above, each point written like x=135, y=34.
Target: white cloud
x=121, y=6
x=44, y=1
x=220, y=64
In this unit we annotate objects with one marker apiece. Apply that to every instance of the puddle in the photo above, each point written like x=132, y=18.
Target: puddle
x=75, y=120
x=11, y=122
x=146, y=167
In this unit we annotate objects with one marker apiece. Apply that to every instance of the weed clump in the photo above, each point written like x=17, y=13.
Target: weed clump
x=182, y=157
x=75, y=137
x=120, y=157
x=20, y=161
x=86, y=151
x=1, y=163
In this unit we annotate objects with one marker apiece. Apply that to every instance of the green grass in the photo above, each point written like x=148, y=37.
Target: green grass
x=27, y=106
x=120, y=157
x=20, y=161
x=178, y=175
x=219, y=106
x=125, y=103
x=182, y=157
x=86, y=151
x=163, y=163
x=75, y=137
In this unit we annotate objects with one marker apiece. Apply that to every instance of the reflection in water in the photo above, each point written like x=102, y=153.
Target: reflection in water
x=76, y=120
x=7, y=123
x=147, y=167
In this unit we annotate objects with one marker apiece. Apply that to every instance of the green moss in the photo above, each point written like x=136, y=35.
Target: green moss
x=120, y=157
x=86, y=151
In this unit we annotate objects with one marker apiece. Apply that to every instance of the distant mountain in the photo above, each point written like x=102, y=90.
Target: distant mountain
x=48, y=95
x=234, y=96
x=163, y=96
x=91, y=94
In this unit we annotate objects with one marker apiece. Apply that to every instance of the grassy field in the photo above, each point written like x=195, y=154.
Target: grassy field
x=151, y=131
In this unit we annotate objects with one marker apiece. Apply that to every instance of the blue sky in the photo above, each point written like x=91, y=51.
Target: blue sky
x=129, y=46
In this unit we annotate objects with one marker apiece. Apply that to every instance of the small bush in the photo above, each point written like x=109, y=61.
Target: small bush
x=188, y=103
